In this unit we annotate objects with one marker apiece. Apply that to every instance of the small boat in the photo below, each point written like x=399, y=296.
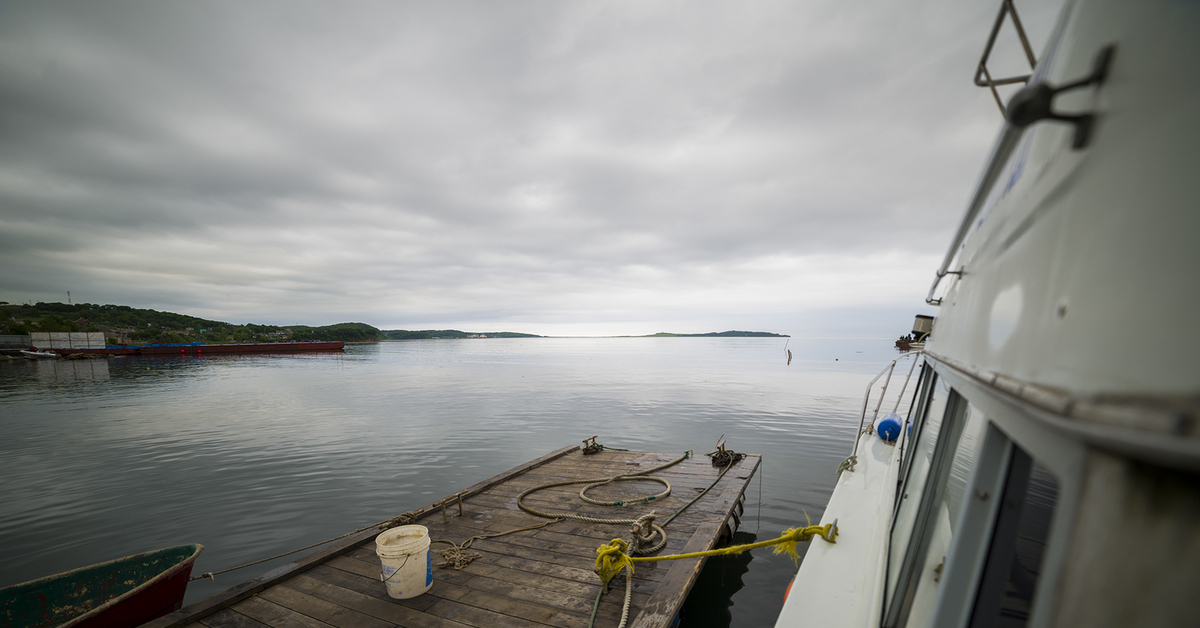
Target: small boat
x=123, y=592
x=920, y=333
x=40, y=354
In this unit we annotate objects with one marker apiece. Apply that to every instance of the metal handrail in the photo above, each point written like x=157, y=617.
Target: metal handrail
x=1003, y=149
x=1006, y=7
x=882, y=393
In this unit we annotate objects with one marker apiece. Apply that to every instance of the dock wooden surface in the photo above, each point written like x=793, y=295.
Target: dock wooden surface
x=538, y=578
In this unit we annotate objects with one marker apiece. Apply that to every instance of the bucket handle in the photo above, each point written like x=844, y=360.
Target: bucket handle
x=384, y=580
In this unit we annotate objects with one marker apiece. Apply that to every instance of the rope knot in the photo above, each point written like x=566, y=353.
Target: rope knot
x=847, y=465
x=400, y=520
x=457, y=557
x=793, y=536
x=611, y=559
x=642, y=534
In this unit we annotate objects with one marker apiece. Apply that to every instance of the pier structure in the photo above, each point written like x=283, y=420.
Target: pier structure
x=539, y=577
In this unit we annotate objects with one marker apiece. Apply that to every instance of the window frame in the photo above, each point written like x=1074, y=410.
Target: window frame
x=895, y=613
x=913, y=426
x=1011, y=423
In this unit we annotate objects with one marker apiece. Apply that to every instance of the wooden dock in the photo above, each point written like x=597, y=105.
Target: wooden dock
x=539, y=577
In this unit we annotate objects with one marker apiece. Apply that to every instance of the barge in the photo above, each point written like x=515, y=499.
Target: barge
x=199, y=348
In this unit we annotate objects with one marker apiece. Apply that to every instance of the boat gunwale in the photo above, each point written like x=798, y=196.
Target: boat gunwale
x=1129, y=427
x=184, y=563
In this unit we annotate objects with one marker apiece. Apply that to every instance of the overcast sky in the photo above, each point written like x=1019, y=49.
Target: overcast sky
x=551, y=167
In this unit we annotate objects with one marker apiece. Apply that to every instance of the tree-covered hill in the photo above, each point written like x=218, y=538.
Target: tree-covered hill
x=110, y=315
x=349, y=332
x=121, y=322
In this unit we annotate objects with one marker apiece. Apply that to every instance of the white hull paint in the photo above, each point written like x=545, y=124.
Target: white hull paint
x=1051, y=478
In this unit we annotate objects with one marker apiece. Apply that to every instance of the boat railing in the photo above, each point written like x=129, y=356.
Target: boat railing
x=1004, y=144
x=886, y=373
x=983, y=78
x=1000, y=153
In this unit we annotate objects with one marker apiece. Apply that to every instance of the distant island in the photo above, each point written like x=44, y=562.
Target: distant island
x=429, y=334
x=720, y=334
x=404, y=334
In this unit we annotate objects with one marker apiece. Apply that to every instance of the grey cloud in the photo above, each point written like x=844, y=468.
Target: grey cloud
x=447, y=160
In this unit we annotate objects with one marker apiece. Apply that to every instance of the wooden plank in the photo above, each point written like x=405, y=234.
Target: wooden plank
x=319, y=609
x=574, y=469
x=560, y=542
x=570, y=603
x=525, y=560
x=527, y=580
x=273, y=614
x=229, y=618
x=232, y=595
x=678, y=477
x=665, y=508
x=525, y=610
x=479, y=617
x=369, y=586
x=383, y=609
x=441, y=591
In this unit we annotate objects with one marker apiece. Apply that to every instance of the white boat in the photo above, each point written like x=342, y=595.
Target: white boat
x=1047, y=477
x=40, y=354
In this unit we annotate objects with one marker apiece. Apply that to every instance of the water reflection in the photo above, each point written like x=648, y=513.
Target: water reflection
x=65, y=371
x=711, y=598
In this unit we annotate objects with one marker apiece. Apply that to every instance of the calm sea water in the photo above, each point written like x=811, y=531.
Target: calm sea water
x=259, y=454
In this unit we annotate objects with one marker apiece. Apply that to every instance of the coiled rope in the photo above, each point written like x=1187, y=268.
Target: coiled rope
x=644, y=530
x=458, y=557
x=646, y=536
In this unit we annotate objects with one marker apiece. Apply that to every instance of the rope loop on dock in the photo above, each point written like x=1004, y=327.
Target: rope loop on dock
x=625, y=502
x=642, y=534
x=637, y=475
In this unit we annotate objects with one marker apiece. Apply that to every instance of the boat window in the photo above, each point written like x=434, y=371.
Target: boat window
x=913, y=421
x=946, y=509
x=922, y=454
x=1014, y=558
x=964, y=460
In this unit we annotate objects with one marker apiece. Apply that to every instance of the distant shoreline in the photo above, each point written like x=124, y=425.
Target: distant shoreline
x=453, y=334
x=122, y=324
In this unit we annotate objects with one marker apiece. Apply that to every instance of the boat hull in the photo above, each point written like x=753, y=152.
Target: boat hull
x=40, y=355
x=123, y=592
x=253, y=347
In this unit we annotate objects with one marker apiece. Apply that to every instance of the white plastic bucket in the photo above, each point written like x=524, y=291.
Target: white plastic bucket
x=407, y=566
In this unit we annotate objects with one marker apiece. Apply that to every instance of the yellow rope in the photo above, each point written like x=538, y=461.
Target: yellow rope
x=611, y=558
